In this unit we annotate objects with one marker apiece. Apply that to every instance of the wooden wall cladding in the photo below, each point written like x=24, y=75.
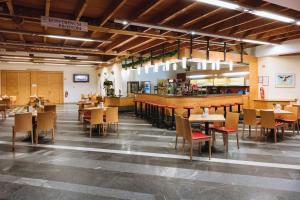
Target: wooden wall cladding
x=23, y=84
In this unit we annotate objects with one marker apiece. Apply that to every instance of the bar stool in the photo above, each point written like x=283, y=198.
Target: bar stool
x=205, y=106
x=135, y=107
x=172, y=126
x=240, y=105
x=161, y=115
x=215, y=107
x=155, y=115
x=188, y=108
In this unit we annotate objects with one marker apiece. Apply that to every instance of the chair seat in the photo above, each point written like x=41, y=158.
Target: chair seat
x=278, y=124
x=287, y=120
x=225, y=130
x=199, y=135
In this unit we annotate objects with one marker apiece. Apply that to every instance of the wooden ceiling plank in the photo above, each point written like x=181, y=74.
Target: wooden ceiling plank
x=115, y=7
x=80, y=10
x=10, y=7
x=47, y=14
x=138, y=17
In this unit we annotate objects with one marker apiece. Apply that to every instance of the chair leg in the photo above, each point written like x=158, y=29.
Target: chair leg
x=200, y=147
x=36, y=137
x=226, y=141
x=209, y=153
x=13, y=139
x=91, y=128
x=275, y=135
x=294, y=128
x=297, y=127
x=53, y=136
x=176, y=142
x=243, y=131
x=31, y=133
x=237, y=140
x=183, y=146
x=249, y=131
x=282, y=130
x=191, y=151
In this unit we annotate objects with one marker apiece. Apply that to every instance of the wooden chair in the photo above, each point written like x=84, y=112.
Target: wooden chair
x=191, y=136
x=250, y=120
x=179, y=129
x=23, y=123
x=50, y=108
x=3, y=111
x=268, y=122
x=45, y=122
x=231, y=127
x=112, y=117
x=96, y=119
x=291, y=119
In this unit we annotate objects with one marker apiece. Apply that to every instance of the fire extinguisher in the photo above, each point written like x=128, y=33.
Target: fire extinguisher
x=66, y=94
x=262, y=92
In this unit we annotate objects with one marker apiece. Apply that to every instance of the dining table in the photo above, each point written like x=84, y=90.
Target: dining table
x=206, y=119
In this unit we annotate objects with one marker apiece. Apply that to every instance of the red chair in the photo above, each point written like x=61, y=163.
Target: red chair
x=231, y=127
x=191, y=136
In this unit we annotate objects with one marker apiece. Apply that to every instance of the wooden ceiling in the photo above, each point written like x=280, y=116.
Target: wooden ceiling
x=23, y=16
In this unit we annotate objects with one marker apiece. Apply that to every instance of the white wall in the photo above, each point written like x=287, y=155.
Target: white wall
x=74, y=89
x=269, y=66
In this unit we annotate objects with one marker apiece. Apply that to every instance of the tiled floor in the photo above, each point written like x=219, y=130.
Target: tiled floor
x=142, y=164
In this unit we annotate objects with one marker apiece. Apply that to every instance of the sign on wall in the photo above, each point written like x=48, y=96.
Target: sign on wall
x=64, y=24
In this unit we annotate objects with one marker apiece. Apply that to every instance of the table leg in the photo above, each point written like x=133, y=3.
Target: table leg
x=173, y=118
x=239, y=108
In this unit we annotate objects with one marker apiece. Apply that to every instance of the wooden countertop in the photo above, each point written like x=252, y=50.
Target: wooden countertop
x=275, y=100
x=196, y=96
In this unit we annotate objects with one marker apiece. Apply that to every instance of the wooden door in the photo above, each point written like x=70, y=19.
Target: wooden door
x=42, y=84
x=23, y=88
x=12, y=85
x=55, y=87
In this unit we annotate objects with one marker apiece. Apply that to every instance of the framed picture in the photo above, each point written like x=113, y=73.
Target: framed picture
x=285, y=80
x=260, y=79
x=265, y=81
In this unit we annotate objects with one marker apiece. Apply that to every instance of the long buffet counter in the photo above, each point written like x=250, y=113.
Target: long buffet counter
x=195, y=101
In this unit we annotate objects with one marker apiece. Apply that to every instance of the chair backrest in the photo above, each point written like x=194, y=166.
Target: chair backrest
x=232, y=120
x=23, y=122
x=94, y=98
x=187, y=130
x=2, y=107
x=97, y=116
x=179, y=129
x=293, y=110
x=220, y=111
x=267, y=119
x=112, y=115
x=249, y=116
x=50, y=108
x=197, y=110
x=45, y=120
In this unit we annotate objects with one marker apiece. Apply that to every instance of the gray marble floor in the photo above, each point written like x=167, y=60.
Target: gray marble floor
x=142, y=164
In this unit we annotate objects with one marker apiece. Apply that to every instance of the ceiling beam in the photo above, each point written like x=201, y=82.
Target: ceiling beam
x=138, y=17
x=10, y=7
x=78, y=14
x=80, y=10
x=172, y=16
x=47, y=13
x=115, y=6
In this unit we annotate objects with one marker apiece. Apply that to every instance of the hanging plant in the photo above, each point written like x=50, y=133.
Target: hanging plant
x=133, y=64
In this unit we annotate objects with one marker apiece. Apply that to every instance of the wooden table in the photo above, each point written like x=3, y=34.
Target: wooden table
x=276, y=112
x=206, y=120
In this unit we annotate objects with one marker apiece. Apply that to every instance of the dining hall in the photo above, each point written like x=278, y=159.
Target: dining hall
x=150, y=99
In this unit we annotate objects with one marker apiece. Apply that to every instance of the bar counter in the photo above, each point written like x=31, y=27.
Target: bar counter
x=268, y=103
x=195, y=101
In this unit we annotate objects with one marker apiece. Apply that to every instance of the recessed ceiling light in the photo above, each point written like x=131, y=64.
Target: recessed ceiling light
x=219, y=3
x=272, y=16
